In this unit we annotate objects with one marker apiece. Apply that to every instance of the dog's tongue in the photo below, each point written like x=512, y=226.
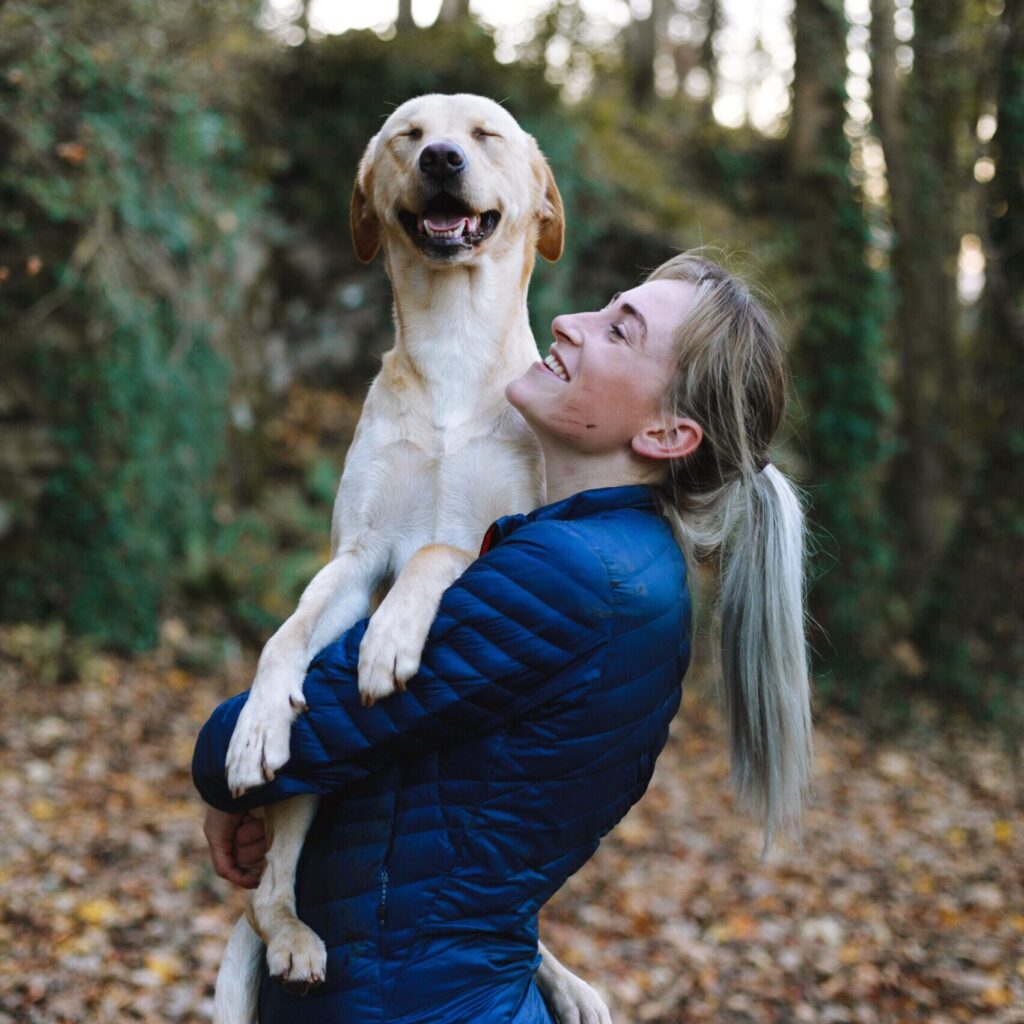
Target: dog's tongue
x=444, y=221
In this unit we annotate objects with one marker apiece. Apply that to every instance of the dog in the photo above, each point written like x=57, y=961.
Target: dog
x=459, y=199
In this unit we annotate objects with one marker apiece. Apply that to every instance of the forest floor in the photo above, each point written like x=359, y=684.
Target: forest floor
x=905, y=902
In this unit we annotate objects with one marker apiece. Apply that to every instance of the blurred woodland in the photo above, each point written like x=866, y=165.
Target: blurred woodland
x=176, y=275
x=186, y=339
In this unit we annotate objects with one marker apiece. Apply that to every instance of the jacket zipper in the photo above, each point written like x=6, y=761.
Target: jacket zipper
x=382, y=906
x=382, y=876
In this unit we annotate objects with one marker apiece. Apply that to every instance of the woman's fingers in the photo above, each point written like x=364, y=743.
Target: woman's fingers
x=250, y=843
x=250, y=850
x=221, y=829
x=224, y=864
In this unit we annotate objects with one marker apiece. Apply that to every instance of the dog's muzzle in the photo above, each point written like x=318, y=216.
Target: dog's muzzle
x=447, y=226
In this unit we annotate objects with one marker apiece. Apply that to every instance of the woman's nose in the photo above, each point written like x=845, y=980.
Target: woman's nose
x=567, y=328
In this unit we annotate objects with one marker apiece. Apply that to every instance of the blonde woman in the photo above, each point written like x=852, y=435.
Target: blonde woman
x=452, y=812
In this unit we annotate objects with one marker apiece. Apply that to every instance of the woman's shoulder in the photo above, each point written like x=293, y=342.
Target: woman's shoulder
x=551, y=558
x=620, y=549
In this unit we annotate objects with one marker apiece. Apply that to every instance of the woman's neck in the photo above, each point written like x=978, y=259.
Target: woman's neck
x=569, y=472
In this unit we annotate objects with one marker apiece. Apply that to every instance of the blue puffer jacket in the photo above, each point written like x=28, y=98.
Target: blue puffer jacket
x=454, y=811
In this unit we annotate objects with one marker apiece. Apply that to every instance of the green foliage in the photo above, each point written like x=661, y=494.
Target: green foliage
x=263, y=559
x=147, y=151
x=118, y=174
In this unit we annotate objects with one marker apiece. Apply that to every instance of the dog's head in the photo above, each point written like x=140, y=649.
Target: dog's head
x=450, y=177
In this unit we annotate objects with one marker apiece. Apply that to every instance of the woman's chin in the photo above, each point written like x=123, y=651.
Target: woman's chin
x=517, y=392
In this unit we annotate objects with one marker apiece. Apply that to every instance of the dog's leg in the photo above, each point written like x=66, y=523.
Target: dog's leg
x=295, y=953
x=336, y=597
x=570, y=998
x=238, y=980
x=391, y=648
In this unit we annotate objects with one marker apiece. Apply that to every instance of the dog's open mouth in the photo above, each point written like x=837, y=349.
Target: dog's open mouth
x=447, y=226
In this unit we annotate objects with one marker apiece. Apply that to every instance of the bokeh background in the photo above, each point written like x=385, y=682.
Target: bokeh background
x=186, y=339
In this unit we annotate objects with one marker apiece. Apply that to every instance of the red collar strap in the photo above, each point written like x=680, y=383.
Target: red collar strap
x=491, y=537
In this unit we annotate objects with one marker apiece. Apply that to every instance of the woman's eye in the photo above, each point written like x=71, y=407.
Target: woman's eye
x=619, y=332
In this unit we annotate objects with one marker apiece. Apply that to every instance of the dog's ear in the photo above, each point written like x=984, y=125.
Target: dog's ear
x=362, y=216
x=551, y=239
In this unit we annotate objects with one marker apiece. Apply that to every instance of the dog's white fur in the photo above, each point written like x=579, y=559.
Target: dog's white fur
x=437, y=456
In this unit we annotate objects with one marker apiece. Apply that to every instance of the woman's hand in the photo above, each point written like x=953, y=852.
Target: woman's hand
x=238, y=845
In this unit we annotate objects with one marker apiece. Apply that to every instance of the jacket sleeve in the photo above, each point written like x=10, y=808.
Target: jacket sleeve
x=525, y=623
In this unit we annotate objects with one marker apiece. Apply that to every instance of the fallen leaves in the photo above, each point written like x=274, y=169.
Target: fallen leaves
x=109, y=910
x=903, y=903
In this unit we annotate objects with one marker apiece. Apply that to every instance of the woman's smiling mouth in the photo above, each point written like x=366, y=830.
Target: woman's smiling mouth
x=554, y=364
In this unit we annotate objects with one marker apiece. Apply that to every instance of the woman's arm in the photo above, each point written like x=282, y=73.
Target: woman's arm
x=522, y=625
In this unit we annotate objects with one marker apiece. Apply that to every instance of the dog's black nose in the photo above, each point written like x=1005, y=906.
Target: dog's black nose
x=442, y=159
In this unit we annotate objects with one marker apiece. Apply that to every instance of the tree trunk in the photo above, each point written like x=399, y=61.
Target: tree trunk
x=642, y=48
x=838, y=355
x=405, y=22
x=814, y=86
x=708, y=59
x=917, y=127
x=453, y=10
x=973, y=635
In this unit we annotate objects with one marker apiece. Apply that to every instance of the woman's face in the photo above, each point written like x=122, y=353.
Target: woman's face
x=610, y=371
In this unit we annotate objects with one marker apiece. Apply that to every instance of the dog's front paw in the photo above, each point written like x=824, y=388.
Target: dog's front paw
x=297, y=958
x=260, y=744
x=391, y=648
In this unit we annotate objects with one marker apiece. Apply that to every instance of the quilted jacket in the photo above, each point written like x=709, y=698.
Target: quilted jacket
x=454, y=811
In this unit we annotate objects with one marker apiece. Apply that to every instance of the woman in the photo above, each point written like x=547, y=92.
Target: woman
x=454, y=811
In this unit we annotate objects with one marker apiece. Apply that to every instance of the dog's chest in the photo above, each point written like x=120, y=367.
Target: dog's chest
x=456, y=485
x=422, y=471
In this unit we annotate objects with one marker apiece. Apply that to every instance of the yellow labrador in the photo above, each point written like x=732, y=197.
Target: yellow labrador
x=460, y=199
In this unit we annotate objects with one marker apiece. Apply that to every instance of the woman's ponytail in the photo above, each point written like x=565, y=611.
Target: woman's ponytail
x=737, y=513
x=764, y=654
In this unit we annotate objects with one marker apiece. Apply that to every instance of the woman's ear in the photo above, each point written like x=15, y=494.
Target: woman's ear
x=674, y=439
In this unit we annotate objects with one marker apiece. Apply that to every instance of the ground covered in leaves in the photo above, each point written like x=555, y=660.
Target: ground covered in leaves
x=904, y=903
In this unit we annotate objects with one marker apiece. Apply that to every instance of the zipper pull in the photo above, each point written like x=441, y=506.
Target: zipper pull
x=382, y=906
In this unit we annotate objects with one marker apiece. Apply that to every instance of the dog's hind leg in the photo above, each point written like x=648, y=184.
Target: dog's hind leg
x=569, y=997
x=238, y=980
x=295, y=953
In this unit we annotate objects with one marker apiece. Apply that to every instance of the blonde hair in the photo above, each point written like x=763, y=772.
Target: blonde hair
x=735, y=512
